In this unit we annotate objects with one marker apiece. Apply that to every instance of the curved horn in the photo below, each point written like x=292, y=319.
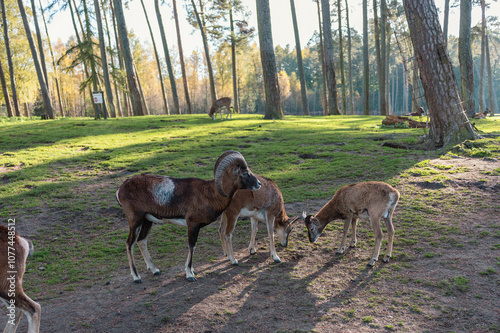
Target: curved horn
x=221, y=165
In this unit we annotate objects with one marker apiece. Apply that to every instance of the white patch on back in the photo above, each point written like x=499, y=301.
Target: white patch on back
x=164, y=191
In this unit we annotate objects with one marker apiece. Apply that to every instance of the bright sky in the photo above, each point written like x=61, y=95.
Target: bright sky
x=281, y=19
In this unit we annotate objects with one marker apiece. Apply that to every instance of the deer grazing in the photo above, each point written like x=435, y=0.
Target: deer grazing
x=481, y=115
x=224, y=102
x=373, y=200
x=264, y=205
x=419, y=113
x=14, y=250
x=190, y=202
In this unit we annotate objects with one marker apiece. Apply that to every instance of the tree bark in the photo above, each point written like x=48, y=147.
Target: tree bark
x=492, y=104
x=366, y=64
x=465, y=58
x=329, y=61
x=233, y=60
x=104, y=60
x=273, y=101
x=43, y=86
x=446, y=20
x=341, y=59
x=15, y=100
x=448, y=121
x=133, y=83
x=181, y=58
x=300, y=65
x=482, y=67
x=40, y=45
x=322, y=60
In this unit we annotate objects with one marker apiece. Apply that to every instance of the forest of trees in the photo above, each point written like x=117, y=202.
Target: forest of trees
x=373, y=70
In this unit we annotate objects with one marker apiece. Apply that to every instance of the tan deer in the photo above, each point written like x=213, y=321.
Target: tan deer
x=481, y=115
x=217, y=107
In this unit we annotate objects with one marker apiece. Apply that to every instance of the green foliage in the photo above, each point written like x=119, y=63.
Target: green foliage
x=454, y=285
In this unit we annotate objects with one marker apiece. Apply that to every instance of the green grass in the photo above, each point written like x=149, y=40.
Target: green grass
x=60, y=177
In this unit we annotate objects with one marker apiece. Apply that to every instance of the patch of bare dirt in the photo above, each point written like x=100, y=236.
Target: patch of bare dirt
x=314, y=289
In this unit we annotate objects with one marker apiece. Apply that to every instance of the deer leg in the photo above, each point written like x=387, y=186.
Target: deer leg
x=142, y=241
x=390, y=236
x=270, y=231
x=354, y=224
x=227, y=235
x=13, y=319
x=132, y=236
x=254, y=225
x=192, y=238
x=375, y=221
x=32, y=312
x=347, y=222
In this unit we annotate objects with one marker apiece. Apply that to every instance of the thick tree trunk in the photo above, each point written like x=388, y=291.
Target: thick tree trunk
x=273, y=102
x=366, y=64
x=41, y=80
x=465, y=58
x=40, y=45
x=133, y=83
x=333, y=107
x=15, y=100
x=171, y=76
x=157, y=58
x=448, y=121
x=300, y=65
x=181, y=58
x=104, y=60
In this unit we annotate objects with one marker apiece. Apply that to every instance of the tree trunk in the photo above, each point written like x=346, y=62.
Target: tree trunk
x=43, y=86
x=213, y=93
x=233, y=60
x=5, y=91
x=448, y=121
x=171, y=76
x=56, y=73
x=341, y=59
x=329, y=61
x=465, y=58
x=446, y=20
x=157, y=58
x=366, y=64
x=133, y=83
x=181, y=58
x=382, y=85
x=126, y=99
x=492, y=104
x=378, y=55
x=322, y=60
x=349, y=56
x=482, y=67
x=15, y=100
x=104, y=60
x=300, y=65
x=273, y=102
x=40, y=45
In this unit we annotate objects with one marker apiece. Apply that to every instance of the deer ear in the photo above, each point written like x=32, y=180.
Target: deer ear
x=304, y=215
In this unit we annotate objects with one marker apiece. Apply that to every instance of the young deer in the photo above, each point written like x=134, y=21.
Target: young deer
x=373, y=200
x=14, y=250
x=217, y=107
x=481, y=115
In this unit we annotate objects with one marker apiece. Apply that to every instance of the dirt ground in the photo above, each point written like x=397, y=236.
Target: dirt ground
x=314, y=289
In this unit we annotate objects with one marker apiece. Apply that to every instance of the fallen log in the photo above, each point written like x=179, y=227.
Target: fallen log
x=393, y=120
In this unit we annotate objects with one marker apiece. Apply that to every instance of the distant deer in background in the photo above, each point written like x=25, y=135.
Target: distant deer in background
x=481, y=115
x=420, y=112
x=217, y=107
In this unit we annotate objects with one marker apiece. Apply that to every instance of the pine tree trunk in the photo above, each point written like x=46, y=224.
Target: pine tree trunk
x=366, y=64
x=329, y=60
x=273, y=101
x=104, y=60
x=465, y=58
x=157, y=58
x=448, y=121
x=322, y=60
x=383, y=59
x=233, y=61
x=181, y=58
x=133, y=83
x=15, y=100
x=349, y=56
x=43, y=86
x=341, y=59
x=213, y=93
x=482, y=68
x=492, y=104
x=300, y=65
x=40, y=45
x=5, y=91
x=56, y=73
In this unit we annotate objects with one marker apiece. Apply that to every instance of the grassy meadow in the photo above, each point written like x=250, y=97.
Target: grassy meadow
x=58, y=181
